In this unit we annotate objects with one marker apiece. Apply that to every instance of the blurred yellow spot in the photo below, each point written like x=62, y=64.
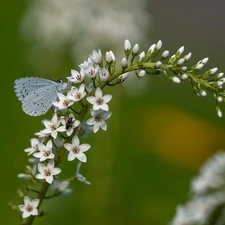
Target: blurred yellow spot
x=180, y=137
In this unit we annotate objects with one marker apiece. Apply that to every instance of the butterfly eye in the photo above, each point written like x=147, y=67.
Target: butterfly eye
x=59, y=80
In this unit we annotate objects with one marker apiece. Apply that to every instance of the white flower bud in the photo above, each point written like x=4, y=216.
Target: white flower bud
x=219, y=112
x=184, y=76
x=122, y=77
x=205, y=60
x=141, y=73
x=127, y=45
x=165, y=54
x=108, y=57
x=159, y=45
x=199, y=66
x=180, y=61
x=112, y=55
x=158, y=64
x=152, y=48
x=142, y=55
x=184, y=68
x=176, y=80
x=188, y=56
x=219, y=75
x=219, y=99
x=203, y=93
x=213, y=70
x=219, y=83
x=180, y=50
x=124, y=62
x=135, y=49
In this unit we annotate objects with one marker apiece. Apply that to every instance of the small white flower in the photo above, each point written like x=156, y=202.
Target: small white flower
x=98, y=101
x=47, y=171
x=90, y=69
x=103, y=74
x=45, y=151
x=76, y=150
x=98, y=119
x=76, y=94
x=96, y=57
x=70, y=123
x=30, y=207
x=63, y=102
x=76, y=76
x=61, y=187
x=52, y=126
x=34, y=145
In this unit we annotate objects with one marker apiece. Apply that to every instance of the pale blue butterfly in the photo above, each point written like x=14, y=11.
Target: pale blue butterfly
x=37, y=94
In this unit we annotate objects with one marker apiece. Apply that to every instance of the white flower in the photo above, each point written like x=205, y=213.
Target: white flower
x=76, y=150
x=70, y=123
x=90, y=69
x=45, y=151
x=61, y=187
x=63, y=102
x=47, y=171
x=98, y=119
x=76, y=76
x=30, y=207
x=96, y=57
x=98, y=101
x=52, y=126
x=34, y=144
x=76, y=94
x=103, y=74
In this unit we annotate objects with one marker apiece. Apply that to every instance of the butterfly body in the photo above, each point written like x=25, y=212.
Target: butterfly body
x=37, y=94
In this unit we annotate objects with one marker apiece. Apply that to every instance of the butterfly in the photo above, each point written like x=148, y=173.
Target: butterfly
x=37, y=94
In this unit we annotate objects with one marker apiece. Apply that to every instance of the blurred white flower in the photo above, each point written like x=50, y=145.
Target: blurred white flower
x=82, y=25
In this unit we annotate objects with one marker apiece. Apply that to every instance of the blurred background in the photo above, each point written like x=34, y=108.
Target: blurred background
x=160, y=132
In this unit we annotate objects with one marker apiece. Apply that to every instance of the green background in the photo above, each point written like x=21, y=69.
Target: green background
x=140, y=169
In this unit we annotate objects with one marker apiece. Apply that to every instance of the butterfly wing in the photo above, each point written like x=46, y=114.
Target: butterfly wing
x=24, y=86
x=39, y=101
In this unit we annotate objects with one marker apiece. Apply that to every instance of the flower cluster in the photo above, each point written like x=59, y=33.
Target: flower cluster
x=207, y=203
x=81, y=108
